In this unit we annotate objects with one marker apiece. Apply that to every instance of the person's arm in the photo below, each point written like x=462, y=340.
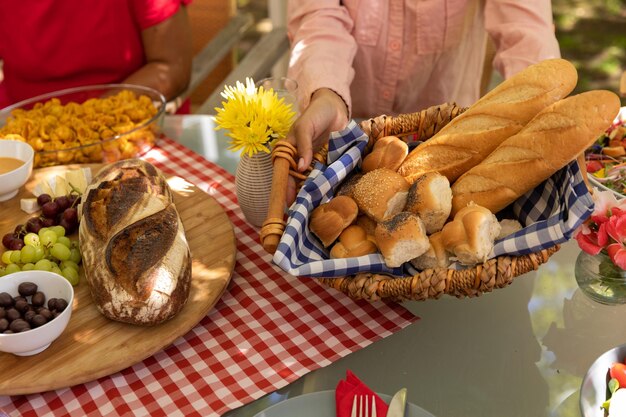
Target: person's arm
x=168, y=51
x=523, y=33
x=322, y=52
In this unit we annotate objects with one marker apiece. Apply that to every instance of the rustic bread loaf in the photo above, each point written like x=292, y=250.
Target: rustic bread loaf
x=137, y=261
x=501, y=113
x=555, y=137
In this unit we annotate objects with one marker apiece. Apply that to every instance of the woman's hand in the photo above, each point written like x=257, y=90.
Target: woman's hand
x=327, y=112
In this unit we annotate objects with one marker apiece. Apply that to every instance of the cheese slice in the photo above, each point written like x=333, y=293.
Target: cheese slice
x=29, y=205
x=43, y=188
x=60, y=186
x=76, y=180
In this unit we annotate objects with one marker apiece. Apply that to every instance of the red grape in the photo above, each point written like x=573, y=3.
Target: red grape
x=16, y=244
x=71, y=215
x=43, y=199
x=63, y=202
x=68, y=226
x=47, y=222
x=50, y=209
x=34, y=224
x=20, y=230
x=8, y=239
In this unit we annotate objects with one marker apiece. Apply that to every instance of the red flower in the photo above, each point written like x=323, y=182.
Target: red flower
x=606, y=228
x=616, y=229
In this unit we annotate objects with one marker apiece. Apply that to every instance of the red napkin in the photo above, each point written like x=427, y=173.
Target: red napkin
x=347, y=389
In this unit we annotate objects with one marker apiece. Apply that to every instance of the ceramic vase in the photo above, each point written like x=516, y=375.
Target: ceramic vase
x=600, y=279
x=253, y=182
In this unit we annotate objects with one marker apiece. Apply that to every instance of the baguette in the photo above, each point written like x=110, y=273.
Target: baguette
x=555, y=137
x=501, y=113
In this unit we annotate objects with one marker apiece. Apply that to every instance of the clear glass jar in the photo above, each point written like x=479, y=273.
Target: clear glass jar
x=600, y=279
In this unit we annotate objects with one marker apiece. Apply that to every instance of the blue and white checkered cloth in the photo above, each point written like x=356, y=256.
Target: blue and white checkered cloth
x=552, y=212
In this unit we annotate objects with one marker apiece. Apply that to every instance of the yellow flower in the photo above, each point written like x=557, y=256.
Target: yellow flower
x=255, y=118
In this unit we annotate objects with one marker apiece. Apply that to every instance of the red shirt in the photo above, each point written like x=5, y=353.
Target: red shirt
x=49, y=45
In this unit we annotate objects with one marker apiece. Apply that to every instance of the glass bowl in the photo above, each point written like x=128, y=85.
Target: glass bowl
x=91, y=124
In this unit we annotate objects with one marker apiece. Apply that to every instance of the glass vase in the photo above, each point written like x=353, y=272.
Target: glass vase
x=600, y=279
x=253, y=183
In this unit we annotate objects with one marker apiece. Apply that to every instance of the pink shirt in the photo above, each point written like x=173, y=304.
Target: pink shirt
x=400, y=56
x=48, y=45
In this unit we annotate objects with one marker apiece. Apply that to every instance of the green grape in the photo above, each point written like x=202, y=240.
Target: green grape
x=75, y=255
x=11, y=269
x=28, y=266
x=6, y=257
x=65, y=241
x=43, y=265
x=16, y=256
x=42, y=231
x=39, y=253
x=69, y=264
x=27, y=253
x=60, y=251
x=32, y=239
x=56, y=269
x=59, y=230
x=75, y=244
x=71, y=275
x=48, y=238
x=2, y=271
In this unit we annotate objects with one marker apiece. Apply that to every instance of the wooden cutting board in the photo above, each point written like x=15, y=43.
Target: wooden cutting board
x=93, y=346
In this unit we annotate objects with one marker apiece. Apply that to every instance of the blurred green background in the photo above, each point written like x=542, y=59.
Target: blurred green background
x=592, y=35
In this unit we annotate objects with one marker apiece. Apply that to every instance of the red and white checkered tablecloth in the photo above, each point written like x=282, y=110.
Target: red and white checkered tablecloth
x=268, y=330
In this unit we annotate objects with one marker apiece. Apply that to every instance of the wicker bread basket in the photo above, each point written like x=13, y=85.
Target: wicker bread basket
x=431, y=283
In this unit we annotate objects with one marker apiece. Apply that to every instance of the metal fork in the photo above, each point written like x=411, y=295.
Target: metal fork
x=362, y=408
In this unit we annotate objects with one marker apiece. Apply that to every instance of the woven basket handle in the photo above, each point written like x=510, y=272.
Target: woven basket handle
x=423, y=124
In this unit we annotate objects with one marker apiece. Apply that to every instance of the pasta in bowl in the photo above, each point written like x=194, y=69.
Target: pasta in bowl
x=91, y=124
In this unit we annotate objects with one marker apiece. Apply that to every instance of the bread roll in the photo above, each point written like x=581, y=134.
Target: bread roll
x=401, y=238
x=353, y=242
x=381, y=193
x=388, y=152
x=137, y=261
x=498, y=115
x=430, y=197
x=329, y=219
x=347, y=186
x=555, y=137
x=471, y=234
x=435, y=257
x=368, y=224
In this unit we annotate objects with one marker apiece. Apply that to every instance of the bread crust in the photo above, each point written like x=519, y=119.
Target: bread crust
x=381, y=193
x=137, y=260
x=388, y=152
x=555, y=137
x=430, y=197
x=501, y=113
x=401, y=238
x=329, y=219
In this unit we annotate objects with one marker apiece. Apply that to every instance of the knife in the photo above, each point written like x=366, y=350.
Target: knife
x=396, y=406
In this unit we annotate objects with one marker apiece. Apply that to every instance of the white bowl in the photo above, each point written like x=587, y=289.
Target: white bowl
x=593, y=390
x=11, y=181
x=36, y=340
